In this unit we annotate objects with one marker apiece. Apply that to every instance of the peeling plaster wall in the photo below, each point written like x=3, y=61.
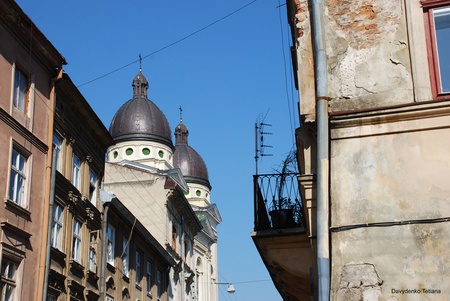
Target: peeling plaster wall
x=367, y=54
x=387, y=171
x=369, y=63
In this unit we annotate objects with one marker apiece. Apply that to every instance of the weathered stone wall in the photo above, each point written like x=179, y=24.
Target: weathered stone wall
x=391, y=167
x=367, y=54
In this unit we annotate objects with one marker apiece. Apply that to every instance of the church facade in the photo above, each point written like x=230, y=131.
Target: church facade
x=167, y=193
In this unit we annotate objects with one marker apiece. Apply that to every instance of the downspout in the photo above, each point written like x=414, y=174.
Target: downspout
x=106, y=198
x=322, y=97
x=52, y=176
x=49, y=232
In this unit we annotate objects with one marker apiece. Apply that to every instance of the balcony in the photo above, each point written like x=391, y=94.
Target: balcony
x=277, y=202
x=280, y=236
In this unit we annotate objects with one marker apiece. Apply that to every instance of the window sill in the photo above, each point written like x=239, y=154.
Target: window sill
x=58, y=254
x=76, y=266
x=110, y=267
x=17, y=209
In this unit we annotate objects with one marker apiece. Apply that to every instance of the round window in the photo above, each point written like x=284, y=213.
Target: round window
x=146, y=151
x=115, y=154
x=161, y=154
x=129, y=151
x=198, y=192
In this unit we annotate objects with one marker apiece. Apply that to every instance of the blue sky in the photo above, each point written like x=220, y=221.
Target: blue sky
x=225, y=62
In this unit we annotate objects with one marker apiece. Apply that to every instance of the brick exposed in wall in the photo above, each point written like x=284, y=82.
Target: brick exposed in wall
x=359, y=282
x=364, y=23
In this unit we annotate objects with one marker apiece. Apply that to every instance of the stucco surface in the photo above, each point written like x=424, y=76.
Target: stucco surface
x=391, y=178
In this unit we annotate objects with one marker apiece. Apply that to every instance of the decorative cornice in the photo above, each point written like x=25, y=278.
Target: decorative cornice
x=17, y=127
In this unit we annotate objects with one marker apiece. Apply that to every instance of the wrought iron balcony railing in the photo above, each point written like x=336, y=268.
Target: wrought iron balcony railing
x=277, y=202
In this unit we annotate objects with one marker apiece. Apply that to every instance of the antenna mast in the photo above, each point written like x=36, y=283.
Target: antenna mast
x=259, y=142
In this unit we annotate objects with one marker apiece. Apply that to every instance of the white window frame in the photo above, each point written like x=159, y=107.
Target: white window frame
x=110, y=245
x=109, y=298
x=57, y=226
x=92, y=265
x=125, y=257
x=9, y=279
x=21, y=89
x=77, y=240
x=93, y=181
x=18, y=177
x=76, y=172
x=58, y=143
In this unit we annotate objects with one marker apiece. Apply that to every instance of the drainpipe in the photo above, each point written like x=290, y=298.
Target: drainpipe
x=106, y=198
x=51, y=193
x=50, y=221
x=320, y=70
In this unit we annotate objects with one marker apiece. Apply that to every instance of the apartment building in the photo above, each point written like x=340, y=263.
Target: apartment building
x=29, y=69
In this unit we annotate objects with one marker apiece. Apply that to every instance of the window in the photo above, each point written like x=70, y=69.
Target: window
x=51, y=298
x=149, y=273
x=125, y=257
x=437, y=20
x=92, y=251
x=8, y=279
x=110, y=255
x=76, y=170
x=109, y=298
x=57, y=224
x=21, y=88
x=138, y=268
x=76, y=241
x=57, y=142
x=174, y=238
x=159, y=283
x=92, y=187
x=17, y=178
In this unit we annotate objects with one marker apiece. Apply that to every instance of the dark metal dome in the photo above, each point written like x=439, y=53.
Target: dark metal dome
x=140, y=119
x=188, y=160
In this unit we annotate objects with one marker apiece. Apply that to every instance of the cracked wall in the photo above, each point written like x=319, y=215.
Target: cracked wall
x=368, y=57
x=359, y=281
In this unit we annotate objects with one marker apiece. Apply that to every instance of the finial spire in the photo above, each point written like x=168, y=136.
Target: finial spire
x=140, y=63
x=181, y=114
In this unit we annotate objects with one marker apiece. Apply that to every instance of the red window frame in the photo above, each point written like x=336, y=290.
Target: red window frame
x=433, y=60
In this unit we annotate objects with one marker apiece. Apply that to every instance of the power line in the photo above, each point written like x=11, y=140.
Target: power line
x=171, y=44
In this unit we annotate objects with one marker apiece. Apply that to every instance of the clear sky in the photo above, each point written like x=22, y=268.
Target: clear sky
x=225, y=62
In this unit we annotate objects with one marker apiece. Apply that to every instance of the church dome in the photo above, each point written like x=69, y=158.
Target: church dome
x=140, y=119
x=188, y=160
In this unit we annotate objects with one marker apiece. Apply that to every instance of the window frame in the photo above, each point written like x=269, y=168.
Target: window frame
x=159, y=282
x=15, y=195
x=125, y=257
x=59, y=150
x=92, y=252
x=93, y=187
x=138, y=267
x=76, y=172
x=429, y=6
x=57, y=227
x=110, y=244
x=149, y=276
x=9, y=280
x=77, y=240
x=21, y=103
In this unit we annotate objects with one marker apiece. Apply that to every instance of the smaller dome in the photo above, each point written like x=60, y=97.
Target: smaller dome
x=188, y=160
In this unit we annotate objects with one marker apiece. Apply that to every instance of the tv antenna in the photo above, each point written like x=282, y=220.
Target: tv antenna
x=260, y=145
